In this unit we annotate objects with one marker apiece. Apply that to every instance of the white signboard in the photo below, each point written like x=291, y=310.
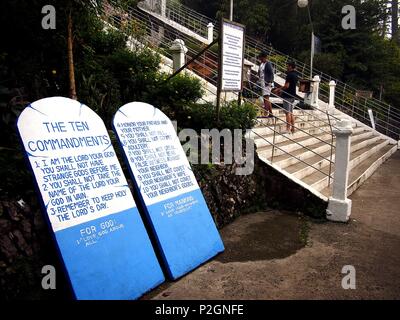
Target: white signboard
x=167, y=188
x=232, y=56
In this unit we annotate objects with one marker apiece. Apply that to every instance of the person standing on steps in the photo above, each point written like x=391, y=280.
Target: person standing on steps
x=288, y=94
x=266, y=75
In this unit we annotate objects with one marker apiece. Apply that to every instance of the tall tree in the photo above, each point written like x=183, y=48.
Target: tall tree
x=71, y=66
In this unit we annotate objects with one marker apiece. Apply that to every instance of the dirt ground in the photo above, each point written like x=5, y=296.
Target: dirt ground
x=281, y=255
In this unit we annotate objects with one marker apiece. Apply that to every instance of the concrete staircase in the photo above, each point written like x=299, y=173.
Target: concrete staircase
x=306, y=155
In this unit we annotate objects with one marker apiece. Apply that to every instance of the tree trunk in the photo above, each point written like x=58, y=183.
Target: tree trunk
x=384, y=26
x=71, y=73
x=395, y=21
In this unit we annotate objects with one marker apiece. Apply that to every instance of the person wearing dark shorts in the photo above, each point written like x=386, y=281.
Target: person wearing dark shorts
x=288, y=94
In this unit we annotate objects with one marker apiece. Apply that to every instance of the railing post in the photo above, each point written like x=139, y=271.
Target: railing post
x=163, y=7
x=178, y=51
x=339, y=207
x=387, y=121
x=332, y=88
x=315, y=93
x=210, y=32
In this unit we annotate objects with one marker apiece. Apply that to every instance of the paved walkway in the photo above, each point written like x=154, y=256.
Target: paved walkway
x=278, y=255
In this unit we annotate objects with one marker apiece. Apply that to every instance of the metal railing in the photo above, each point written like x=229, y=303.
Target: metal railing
x=178, y=13
x=388, y=118
x=210, y=63
x=160, y=36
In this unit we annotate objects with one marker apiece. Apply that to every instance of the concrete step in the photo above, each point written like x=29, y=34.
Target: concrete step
x=279, y=111
x=285, y=161
x=364, y=170
x=292, y=144
x=261, y=140
x=284, y=139
x=267, y=132
x=267, y=129
x=302, y=170
x=281, y=124
x=282, y=117
x=319, y=181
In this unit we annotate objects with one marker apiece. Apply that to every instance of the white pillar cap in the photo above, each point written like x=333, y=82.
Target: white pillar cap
x=178, y=45
x=317, y=79
x=343, y=127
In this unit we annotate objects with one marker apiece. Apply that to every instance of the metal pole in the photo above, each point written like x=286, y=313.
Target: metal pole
x=387, y=121
x=312, y=42
x=240, y=99
x=312, y=54
x=273, y=142
x=231, y=11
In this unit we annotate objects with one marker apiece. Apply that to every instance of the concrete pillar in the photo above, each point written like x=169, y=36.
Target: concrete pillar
x=210, y=32
x=315, y=94
x=332, y=88
x=163, y=7
x=178, y=51
x=339, y=207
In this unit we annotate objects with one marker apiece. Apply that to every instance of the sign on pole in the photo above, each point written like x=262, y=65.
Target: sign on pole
x=101, y=238
x=169, y=193
x=232, y=56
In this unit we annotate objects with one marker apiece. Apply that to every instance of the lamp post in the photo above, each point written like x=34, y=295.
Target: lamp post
x=303, y=4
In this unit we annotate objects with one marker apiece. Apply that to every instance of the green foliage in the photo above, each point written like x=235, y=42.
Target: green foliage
x=234, y=116
x=204, y=116
x=135, y=71
x=175, y=93
x=101, y=92
x=330, y=63
x=256, y=16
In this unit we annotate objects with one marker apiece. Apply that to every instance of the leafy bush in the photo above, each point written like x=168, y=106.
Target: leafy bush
x=106, y=82
x=175, y=93
x=135, y=71
x=234, y=116
x=204, y=116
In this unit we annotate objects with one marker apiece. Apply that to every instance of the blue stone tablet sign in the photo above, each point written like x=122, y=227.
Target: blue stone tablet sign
x=173, y=202
x=103, y=243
